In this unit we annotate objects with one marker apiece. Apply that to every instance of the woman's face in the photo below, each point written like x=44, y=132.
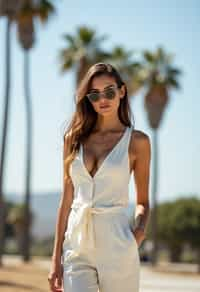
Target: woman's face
x=105, y=106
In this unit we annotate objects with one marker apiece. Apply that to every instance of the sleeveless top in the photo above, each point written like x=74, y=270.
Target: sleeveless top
x=106, y=192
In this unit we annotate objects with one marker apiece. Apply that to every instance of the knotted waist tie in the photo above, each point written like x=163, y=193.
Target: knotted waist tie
x=82, y=233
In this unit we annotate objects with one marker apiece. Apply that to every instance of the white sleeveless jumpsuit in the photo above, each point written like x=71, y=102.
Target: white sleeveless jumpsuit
x=100, y=252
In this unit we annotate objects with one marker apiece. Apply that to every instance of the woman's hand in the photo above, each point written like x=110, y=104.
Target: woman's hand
x=55, y=276
x=139, y=235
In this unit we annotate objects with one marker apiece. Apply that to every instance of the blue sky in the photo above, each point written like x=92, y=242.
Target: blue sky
x=136, y=25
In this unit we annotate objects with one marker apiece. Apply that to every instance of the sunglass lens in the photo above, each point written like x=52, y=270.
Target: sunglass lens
x=94, y=96
x=110, y=93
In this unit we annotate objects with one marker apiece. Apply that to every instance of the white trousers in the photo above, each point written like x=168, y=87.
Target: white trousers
x=112, y=266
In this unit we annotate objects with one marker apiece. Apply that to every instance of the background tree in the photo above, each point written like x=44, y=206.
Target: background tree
x=8, y=9
x=130, y=69
x=29, y=12
x=187, y=223
x=179, y=224
x=166, y=231
x=17, y=218
x=160, y=77
x=82, y=50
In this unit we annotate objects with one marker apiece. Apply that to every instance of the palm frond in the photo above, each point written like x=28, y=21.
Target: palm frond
x=44, y=10
x=159, y=69
x=84, y=45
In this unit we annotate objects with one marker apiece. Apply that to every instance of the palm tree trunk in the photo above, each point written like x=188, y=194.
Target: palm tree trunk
x=81, y=70
x=27, y=225
x=154, y=198
x=4, y=136
x=198, y=260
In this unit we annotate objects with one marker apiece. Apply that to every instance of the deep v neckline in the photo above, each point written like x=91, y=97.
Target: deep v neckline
x=106, y=157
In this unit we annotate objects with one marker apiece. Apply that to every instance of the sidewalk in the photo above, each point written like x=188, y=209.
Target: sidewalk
x=167, y=267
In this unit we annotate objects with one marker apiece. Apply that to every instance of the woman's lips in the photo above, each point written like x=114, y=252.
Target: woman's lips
x=104, y=106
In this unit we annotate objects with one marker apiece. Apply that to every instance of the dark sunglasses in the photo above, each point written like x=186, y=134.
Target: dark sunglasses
x=109, y=93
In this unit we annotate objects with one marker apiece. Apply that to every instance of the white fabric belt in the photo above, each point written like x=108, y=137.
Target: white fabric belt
x=82, y=233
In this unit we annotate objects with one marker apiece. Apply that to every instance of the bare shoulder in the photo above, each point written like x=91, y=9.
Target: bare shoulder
x=140, y=141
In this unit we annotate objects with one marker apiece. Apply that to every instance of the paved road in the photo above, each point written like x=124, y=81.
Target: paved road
x=153, y=281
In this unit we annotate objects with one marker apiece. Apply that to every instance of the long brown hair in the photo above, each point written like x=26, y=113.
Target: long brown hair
x=84, y=118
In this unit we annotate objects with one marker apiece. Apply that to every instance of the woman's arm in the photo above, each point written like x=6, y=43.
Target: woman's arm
x=141, y=178
x=63, y=210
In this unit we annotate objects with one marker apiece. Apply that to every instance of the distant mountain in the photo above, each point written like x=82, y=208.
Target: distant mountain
x=45, y=207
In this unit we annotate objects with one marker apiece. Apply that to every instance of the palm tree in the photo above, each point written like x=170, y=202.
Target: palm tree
x=26, y=35
x=82, y=50
x=131, y=71
x=85, y=48
x=161, y=76
x=16, y=217
x=8, y=9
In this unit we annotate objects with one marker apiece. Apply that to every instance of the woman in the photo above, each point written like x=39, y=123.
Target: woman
x=95, y=245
